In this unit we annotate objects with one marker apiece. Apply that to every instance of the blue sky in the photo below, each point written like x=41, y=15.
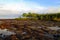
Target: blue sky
x=39, y=2
x=12, y=8
x=45, y=2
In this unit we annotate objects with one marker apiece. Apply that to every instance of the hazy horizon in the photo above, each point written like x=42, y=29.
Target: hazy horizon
x=14, y=8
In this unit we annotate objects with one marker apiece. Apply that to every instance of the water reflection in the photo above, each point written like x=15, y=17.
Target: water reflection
x=5, y=33
x=54, y=28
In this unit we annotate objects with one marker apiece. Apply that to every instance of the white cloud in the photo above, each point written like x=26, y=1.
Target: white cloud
x=53, y=10
x=11, y=10
x=21, y=6
x=15, y=9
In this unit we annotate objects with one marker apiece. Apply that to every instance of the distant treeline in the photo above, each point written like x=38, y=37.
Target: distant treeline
x=35, y=16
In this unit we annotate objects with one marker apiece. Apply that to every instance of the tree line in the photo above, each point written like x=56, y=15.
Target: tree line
x=36, y=16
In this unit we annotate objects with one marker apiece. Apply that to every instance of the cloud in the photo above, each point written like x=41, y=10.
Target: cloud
x=9, y=14
x=21, y=7
x=52, y=10
x=12, y=10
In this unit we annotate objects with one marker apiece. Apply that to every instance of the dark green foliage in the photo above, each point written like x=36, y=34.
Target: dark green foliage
x=35, y=16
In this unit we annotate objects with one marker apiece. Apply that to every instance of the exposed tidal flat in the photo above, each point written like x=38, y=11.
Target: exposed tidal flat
x=29, y=30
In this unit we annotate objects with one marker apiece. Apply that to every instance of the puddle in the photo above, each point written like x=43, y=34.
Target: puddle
x=54, y=28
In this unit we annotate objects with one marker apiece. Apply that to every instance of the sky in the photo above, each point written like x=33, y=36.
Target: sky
x=14, y=8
